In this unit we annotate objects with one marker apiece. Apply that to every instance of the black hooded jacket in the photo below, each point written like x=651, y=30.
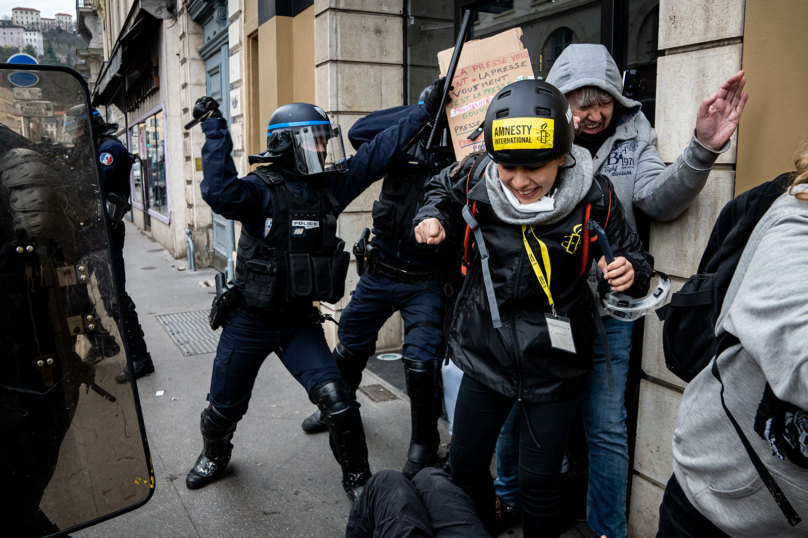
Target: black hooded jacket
x=517, y=359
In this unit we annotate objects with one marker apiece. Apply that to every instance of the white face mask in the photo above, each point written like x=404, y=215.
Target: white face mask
x=544, y=204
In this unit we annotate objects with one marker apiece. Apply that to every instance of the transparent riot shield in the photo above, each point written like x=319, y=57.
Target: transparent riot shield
x=73, y=450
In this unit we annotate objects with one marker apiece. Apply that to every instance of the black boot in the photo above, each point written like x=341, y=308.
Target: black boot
x=141, y=366
x=217, y=431
x=315, y=423
x=103, y=345
x=350, y=366
x=425, y=408
x=133, y=333
x=342, y=416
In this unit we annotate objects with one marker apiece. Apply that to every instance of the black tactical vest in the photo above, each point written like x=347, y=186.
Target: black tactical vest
x=400, y=198
x=301, y=258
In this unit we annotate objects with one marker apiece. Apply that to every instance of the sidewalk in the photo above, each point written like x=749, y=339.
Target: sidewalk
x=281, y=482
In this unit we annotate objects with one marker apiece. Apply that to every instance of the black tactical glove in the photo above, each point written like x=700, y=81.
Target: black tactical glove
x=432, y=102
x=206, y=105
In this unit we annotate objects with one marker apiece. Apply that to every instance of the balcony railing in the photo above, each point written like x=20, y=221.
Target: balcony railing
x=85, y=3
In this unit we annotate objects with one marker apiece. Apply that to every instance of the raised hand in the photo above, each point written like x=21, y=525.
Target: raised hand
x=206, y=107
x=719, y=114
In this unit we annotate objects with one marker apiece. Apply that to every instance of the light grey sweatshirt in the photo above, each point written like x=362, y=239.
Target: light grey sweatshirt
x=630, y=158
x=766, y=307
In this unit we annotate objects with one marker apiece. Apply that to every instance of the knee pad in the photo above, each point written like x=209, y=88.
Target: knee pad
x=351, y=365
x=332, y=398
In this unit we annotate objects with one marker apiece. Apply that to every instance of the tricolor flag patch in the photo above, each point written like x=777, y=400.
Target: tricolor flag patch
x=106, y=159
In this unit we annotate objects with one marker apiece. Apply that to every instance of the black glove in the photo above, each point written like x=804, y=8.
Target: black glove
x=206, y=105
x=432, y=102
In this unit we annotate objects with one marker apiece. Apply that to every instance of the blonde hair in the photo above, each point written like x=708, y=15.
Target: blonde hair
x=589, y=95
x=801, y=176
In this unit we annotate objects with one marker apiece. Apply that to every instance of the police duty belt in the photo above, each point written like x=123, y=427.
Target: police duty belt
x=402, y=275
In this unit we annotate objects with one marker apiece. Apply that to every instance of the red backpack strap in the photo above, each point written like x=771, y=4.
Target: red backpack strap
x=477, y=171
x=591, y=239
x=586, y=240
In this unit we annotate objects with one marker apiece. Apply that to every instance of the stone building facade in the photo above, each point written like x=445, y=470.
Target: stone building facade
x=26, y=17
x=12, y=35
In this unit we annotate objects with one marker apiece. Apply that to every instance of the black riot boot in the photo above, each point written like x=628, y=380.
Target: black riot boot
x=351, y=366
x=103, y=345
x=217, y=431
x=423, y=388
x=142, y=364
x=341, y=414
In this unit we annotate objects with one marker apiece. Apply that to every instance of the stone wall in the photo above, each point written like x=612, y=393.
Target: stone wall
x=197, y=215
x=358, y=69
x=702, y=44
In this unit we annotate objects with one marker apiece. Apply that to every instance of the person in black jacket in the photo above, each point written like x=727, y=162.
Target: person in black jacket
x=398, y=274
x=523, y=326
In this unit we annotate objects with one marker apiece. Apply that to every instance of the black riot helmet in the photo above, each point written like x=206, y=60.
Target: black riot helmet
x=442, y=142
x=76, y=125
x=528, y=123
x=302, y=134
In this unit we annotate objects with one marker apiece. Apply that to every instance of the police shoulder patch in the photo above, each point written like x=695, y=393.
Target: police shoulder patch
x=106, y=159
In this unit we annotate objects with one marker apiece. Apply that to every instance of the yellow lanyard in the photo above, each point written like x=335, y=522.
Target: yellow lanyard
x=545, y=283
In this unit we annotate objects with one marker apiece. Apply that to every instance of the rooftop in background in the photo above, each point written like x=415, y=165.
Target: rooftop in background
x=24, y=9
x=63, y=14
x=9, y=24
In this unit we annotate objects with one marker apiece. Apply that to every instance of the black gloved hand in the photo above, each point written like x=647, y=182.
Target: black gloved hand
x=432, y=102
x=206, y=105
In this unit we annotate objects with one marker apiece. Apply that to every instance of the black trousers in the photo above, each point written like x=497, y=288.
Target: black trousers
x=680, y=519
x=479, y=416
x=430, y=506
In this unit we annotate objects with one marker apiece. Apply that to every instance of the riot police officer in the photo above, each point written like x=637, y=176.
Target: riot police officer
x=398, y=274
x=116, y=165
x=288, y=256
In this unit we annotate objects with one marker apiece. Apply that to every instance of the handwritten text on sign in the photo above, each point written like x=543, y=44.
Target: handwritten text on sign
x=474, y=87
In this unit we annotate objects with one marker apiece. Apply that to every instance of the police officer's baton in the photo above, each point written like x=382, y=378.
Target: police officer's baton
x=461, y=38
x=190, y=125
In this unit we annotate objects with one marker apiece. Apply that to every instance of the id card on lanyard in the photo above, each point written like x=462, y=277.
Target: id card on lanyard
x=558, y=327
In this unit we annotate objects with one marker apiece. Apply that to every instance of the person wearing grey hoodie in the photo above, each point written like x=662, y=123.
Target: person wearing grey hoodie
x=715, y=491
x=622, y=143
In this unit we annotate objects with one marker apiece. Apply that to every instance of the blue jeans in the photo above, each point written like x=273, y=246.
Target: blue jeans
x=244, y=345
x=376, y=298
x=507, y=483
x=604, y=414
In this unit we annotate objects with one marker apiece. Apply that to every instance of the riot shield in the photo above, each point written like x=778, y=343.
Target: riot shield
x=73, y=450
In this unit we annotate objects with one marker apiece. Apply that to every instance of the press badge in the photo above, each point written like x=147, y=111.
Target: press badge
x=560, y=333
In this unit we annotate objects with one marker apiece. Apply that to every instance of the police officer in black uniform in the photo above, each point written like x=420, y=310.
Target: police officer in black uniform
x=116, y=165
x=401, y=275
x=288, y=257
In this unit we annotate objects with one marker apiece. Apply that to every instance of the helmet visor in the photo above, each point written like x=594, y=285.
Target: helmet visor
x=317, y=148
x=74, y=127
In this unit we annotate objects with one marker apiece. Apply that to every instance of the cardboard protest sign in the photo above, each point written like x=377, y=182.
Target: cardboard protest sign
x=485, y=67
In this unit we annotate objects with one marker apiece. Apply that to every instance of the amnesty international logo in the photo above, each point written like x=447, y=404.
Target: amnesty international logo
x=573, y=241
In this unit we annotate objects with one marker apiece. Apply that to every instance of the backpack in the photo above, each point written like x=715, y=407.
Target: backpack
x=688, y=335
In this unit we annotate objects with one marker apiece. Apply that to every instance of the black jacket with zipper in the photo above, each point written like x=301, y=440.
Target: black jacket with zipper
x=517, y=360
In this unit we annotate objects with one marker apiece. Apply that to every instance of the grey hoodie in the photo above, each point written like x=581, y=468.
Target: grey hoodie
x=630, y=158
x=766, y=308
